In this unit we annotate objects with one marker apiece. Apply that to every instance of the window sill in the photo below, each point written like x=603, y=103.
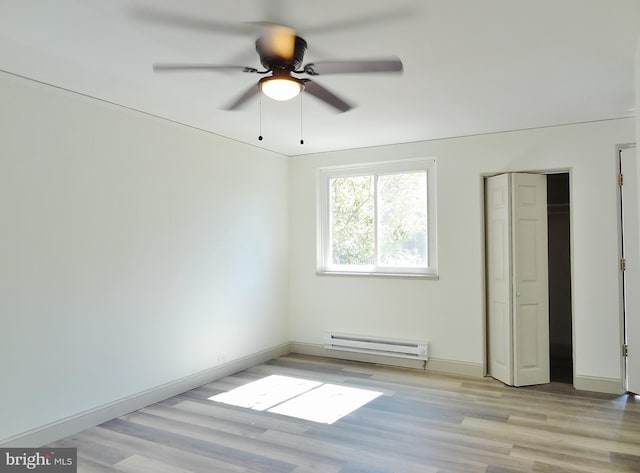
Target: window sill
x=378, y=274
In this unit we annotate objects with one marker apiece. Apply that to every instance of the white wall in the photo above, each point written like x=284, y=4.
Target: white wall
x=133, y=252
x=449, y=312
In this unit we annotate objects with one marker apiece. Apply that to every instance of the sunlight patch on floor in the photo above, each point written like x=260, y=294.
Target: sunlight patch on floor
x=301, y=398
x=266, y=392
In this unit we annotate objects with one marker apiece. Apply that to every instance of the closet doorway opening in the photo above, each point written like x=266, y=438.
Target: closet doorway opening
x=560, y=311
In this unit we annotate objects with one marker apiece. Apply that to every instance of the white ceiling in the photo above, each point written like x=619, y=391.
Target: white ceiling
x=470, y=66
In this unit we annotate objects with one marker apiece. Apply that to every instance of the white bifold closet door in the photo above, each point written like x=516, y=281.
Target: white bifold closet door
x=517, y=278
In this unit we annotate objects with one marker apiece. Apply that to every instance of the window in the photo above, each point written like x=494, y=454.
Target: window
x=378, y=219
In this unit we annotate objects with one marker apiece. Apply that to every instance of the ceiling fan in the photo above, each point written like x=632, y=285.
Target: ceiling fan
x=281, y=53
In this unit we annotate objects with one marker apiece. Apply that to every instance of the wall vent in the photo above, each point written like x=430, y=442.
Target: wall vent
x=377, y=346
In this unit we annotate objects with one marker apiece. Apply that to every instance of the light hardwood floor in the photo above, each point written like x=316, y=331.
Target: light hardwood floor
x=423, y=423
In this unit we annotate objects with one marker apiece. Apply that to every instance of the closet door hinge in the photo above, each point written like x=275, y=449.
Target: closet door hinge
x=625, y=350
x=620, y=179
x=623, y=264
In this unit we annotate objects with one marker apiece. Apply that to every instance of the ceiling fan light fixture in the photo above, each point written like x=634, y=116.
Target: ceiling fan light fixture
x=281, y=88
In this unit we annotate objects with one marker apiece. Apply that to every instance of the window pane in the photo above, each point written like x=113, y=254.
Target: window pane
x=403, y=219
x=352, y=216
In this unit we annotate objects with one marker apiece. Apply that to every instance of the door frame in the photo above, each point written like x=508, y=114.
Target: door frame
x=483, y=239
x=621, y=298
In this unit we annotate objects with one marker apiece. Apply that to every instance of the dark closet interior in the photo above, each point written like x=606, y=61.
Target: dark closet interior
x=560, y=324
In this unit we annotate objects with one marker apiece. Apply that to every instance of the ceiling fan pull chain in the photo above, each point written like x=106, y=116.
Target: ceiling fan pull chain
x=260, y=117
x=301, y=135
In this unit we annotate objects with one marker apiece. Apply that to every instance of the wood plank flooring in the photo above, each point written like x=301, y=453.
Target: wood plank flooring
x=423, y=423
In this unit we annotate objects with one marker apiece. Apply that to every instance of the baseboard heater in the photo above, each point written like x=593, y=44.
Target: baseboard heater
x=377, y=346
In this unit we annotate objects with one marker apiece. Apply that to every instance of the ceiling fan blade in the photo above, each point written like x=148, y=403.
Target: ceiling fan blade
x=328, y=97
x=178, y=20
x=242, y=99
x=202, y=67
x=359, y=66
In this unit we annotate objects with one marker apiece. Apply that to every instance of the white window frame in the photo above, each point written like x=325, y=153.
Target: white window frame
x=325, y=174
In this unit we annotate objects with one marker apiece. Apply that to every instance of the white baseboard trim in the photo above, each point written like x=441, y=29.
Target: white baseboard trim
x=433, y=364
x=600, y=385
x=83, y=420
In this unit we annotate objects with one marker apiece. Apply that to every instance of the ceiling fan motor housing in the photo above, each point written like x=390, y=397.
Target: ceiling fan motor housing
x=273, y=62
